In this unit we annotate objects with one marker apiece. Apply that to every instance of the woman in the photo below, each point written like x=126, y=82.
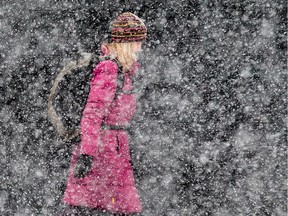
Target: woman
x=101, y=175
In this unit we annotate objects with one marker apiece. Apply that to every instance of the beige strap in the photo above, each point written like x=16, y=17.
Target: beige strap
x=54, y=118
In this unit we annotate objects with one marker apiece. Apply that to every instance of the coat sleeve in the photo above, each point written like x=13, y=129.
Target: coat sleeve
x=102, y=91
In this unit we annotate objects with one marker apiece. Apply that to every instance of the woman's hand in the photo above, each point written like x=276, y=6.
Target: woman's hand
x=83, y=166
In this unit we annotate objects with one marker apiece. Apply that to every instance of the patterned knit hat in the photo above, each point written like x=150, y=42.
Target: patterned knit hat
x=128, y=28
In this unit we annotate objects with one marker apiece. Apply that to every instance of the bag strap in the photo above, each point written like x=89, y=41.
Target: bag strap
x=66, y=134
x=52, y=114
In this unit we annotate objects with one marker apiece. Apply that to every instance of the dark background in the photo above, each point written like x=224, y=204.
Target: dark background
x=210, y=134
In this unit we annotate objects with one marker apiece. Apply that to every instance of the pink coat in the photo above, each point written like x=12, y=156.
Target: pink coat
x=110, y=184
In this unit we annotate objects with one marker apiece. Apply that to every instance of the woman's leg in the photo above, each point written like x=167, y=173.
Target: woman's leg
x=77, y=211
x=82, y=211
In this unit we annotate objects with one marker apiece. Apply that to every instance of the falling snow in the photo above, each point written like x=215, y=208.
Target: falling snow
x=210, y=133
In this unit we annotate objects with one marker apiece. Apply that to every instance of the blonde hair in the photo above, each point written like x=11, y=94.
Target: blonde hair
x=125, y=53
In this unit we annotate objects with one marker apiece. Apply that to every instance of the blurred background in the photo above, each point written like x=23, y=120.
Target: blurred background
x=210, y=133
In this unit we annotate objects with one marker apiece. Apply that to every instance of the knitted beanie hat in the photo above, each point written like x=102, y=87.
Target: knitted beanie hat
x=128, y=28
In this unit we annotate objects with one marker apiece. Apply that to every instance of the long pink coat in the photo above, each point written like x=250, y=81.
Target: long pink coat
x=110, y=184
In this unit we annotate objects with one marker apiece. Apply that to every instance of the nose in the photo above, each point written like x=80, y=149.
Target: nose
x=139, y=46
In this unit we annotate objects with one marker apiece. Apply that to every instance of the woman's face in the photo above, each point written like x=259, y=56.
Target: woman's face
x=138, y=47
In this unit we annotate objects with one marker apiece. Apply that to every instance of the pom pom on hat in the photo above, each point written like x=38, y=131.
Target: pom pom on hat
x=128, y=28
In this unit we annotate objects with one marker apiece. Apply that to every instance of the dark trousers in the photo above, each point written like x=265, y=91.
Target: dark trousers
x=82, y=211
